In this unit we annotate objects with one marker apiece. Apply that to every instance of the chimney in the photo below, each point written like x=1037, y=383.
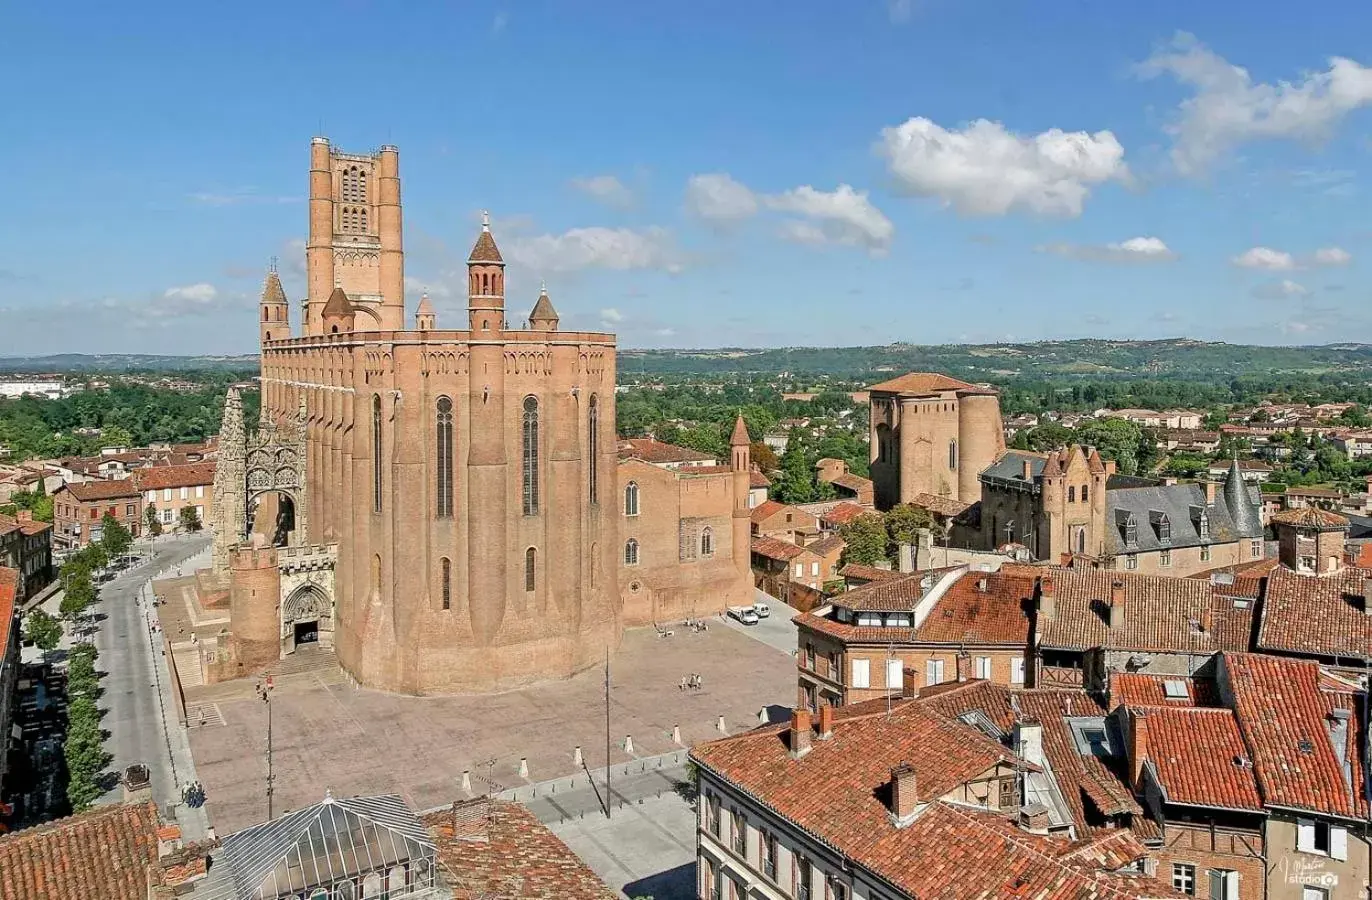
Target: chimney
x=826, y=722
x=1109, y=467
x=1027, y=470
x=907, y=558
x=1138, y=746
x=909, y=683
x=1116, y=605
x=1210, y=487
x=1367, y=596
x=1028, y=738
x=1169, y=482
x=1047, y=601
x=904, y=794
x=24, y=515
x=137, y=784
x=800, y=732
x=964, y=665
x=1207, y=620
x=1034, y=818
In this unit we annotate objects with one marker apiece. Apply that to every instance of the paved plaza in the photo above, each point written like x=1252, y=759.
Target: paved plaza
x=328, y=734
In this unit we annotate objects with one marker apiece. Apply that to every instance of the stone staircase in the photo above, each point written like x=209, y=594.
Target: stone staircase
x=188, y=667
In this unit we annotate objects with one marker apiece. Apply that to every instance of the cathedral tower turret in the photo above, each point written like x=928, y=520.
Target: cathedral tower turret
x=543, y=317
x=486, y=283
x=273, y=324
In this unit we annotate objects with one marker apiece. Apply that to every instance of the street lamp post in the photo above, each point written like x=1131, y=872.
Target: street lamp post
x=264, y=690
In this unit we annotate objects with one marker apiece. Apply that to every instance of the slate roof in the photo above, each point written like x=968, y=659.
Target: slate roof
x=1159, y=613
x=101, y=489
x=1182, y=505
x=513, y=857
x=1200, y=758
x=156, y=478
x=1009, y=466
x=1284, y=714
x=104, y=854
x=923, y=383
x=1316, y=615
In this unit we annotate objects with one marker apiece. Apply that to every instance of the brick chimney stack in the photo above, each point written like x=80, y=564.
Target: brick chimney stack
x=1047, y=601
x=964, y=667
x=1367, y=596
x=904, y=794
x=909, y=683
x=826, y=722
x=800, y=732
x=1116, y=605
x=1210, y=489
x=1027, y=470
x=1138, y=746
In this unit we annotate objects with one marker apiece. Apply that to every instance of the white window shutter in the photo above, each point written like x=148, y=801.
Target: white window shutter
x=1017, y=670
x=1305, y=835
x=862, y=676
x=893, y=673
x=1338, y=842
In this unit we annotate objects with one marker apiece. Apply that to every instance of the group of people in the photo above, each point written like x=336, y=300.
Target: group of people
x=194, y=794
x=692, y=682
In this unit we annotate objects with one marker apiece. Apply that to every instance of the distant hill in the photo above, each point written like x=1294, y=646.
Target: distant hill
x=1098, y=359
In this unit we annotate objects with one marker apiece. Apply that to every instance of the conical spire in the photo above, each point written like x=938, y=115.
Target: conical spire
x=543, y=317
x=339, y=304
x=1247, y=517
x=272, y=291
x=425, y=307
x=485, y=250
x=231, y=433
x=740, y=436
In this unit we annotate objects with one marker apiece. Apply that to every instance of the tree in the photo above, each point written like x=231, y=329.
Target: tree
x=1117, y=439
x=42, y=630
x=150, y=519
x=866, y=540
x=114, y=537
x=763, y=457
x=77, y=597
x=904, y=523
x=190, y=519
x=116, y=436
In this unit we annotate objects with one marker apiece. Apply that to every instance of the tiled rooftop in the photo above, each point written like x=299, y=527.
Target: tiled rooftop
x=922, y=383
x=655, y=451
x=982, y=608
x=1200, y=758
x=1141, y=689
x=1310, y=517
x=867, y=573
x=775, y=548
x=843, y=513
x=102, y=489
x=156, y=478
x=105, y=854
x=1321, y=615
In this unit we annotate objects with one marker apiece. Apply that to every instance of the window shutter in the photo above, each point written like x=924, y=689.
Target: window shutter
x=893, y=673
x=1305, y=835
x=1216, y=885
x=1338, y=842
x=930, y=672
x=1017, y=670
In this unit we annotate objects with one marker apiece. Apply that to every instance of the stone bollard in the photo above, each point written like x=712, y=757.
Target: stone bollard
x=523, y=767
x=721, y=727
x=629, y=744
x=466, y=781
x=576, y=758
x=676, y=734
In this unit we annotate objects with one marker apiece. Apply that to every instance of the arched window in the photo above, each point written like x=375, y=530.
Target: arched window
x=443, y=457
x=1071, y=495
x=530, y=446
x=1085, y=492
x=333, y=329
x=345, y=890
x=707, y=541
x=952, y=454
x=631, y=552
x=631, y=499
x=592, y=447
x=264, y=314
x=445, y=568
x=376, y=453
x=362, y=218
x=530, y=569
x=362, y=187
x=371, y=886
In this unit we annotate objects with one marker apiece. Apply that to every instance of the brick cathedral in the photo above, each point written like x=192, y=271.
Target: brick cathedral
x=444, y=504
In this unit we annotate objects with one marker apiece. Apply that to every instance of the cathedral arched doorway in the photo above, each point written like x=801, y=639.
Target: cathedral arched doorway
x=306, y=619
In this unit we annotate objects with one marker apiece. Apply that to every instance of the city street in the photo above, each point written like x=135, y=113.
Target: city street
x=135, y=682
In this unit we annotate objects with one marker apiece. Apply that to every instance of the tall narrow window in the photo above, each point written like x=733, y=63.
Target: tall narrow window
x=530, y=569
x=530, y=456
x=952, y=454
x=1071, y=495
x=631, y=552
x=631, y=499
x=592, y=446
x=443, y=457
x=707, y=541
x=1085, y=493
x=376, y=453
x=362, y=214
x=446, y=570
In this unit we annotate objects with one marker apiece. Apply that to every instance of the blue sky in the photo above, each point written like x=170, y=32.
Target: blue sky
x=705, y=173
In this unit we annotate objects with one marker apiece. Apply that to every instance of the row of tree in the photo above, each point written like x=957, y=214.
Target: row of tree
x=84, y=743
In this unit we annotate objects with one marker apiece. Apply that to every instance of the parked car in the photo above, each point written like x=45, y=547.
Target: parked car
x=745, y=614
x=762, y=609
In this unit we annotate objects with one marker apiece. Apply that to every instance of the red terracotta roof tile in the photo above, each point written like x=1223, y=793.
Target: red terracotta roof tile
x=775, y=548
x=855, y=483
x=9, y=596
x=843, y=513
x=942, y=506
x=1140, y=689
x=156, y=478
x=511, y=856
x=922, y=383
x=655, y=451
x=101, y=489
x=757, y=480
x=105, y=854
x=30, y=527
x=899, y=594
x=982, y=608
x=860, y=572
x=1200, y=758
x=1310, y=517
x=1321, y=615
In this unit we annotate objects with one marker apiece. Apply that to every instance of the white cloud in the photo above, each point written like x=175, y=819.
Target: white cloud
x=1265, y=258
x=900, y=11
x=610, y=314
x=620, y=249
x=1332, y=256
x=605, y=189
x=1134, y=250
x=500, y=22
x=1286, y=289
x=194, y=293
x=1229, y=108
x=719, y=199
x=799, y=231
x=841, y=216
x=986, y=170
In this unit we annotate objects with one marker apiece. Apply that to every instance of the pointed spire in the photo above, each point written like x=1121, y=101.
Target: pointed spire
x=272, y=291
x=1246, y=515
x=1095, y=463
x=740, y=436
x=339, y=304
x=425, y=307
x=231, y=432
x=543, y=317
x=485, y=250
x=1052, y=468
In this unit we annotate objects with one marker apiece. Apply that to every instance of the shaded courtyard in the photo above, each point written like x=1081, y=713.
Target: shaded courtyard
x=328, y=734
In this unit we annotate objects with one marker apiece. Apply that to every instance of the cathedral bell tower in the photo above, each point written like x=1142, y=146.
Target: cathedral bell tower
x=273, y=317
x=485, y=284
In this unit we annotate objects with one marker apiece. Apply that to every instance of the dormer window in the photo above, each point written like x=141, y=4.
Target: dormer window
x=1162, y=525
x=1130, y=527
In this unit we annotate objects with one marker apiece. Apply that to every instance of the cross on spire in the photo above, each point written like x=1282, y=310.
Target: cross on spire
x=272, y=266
x=485, y=220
